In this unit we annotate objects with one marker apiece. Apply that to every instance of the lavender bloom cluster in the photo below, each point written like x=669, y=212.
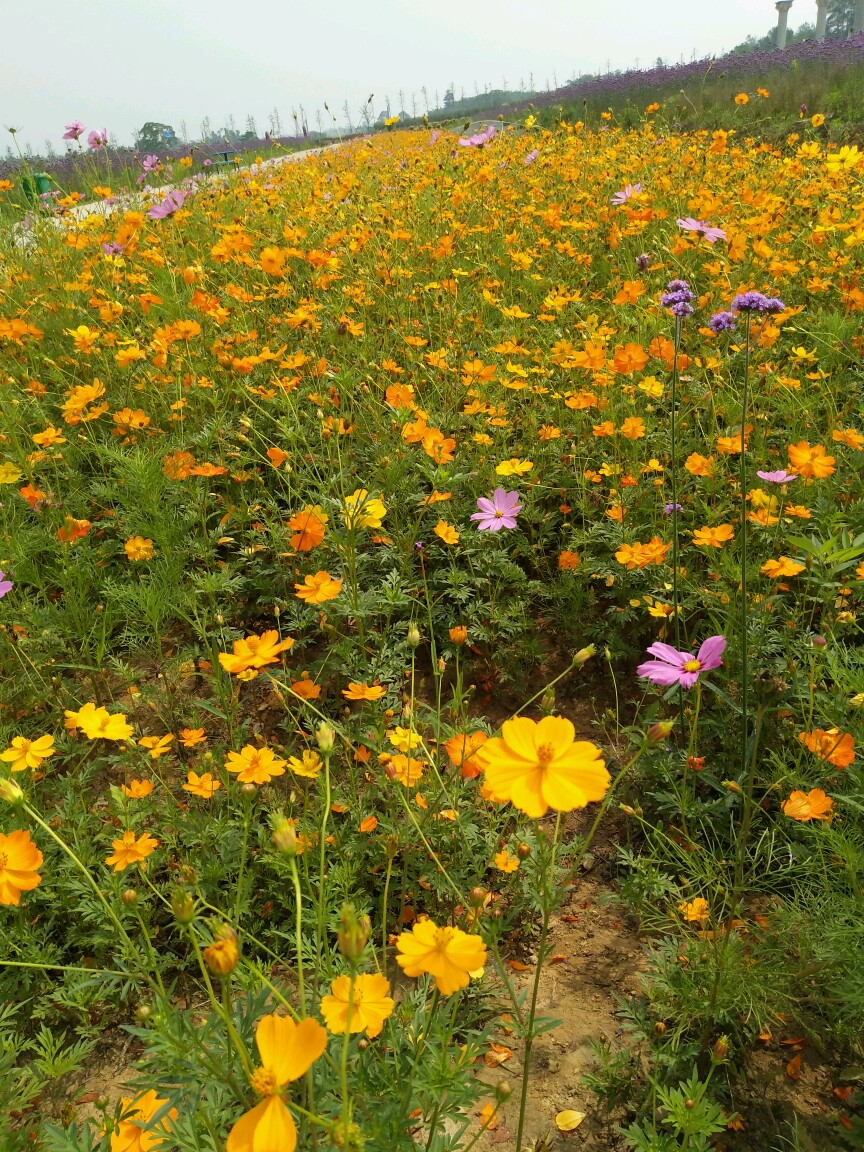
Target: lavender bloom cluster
x=677, y=298
x=756, y=302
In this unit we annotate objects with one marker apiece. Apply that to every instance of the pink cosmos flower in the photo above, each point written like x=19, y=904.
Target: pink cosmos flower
x=779, y=477
x=172, y=202
x=97, y=140
x=674, y=667
x=5, y=585
x=73, y=130
x=499, y=512
x=710, y=233
x=626, y=194
x=479, y=138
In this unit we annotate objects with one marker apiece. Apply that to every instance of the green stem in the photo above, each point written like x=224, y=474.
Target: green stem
x=343, y=1067
x=673, y=464
x=243, y=852
x=742, y=480
x=298, y=931
x=322, y=864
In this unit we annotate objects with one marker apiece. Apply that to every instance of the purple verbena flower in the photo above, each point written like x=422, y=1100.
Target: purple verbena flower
x=674, y=667
x=499, y=512
x=626, y=193
x=172, y=202
x=756, y=302
x=97, y=140
x=5, y=585
x=722, y=322
x=73, y=130
x=670, y=508
x=677, y=298
x=779, y=477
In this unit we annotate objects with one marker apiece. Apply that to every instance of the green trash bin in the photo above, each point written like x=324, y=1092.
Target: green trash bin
x=36, y=186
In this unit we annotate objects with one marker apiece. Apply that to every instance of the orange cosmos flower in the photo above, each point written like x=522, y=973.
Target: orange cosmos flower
x=537, y=766
x=568, y=560
x=368, y=1004
x=134, y=1132
x=19, y=861
x=812, y=805
x=448, y=954
x=255, y=765
x=833, y=746
x=203, y=785
x=137, y=789
x=308, y=528
x=783, y=566
x=458, y=634
x=288, y=1051
x=73, y=530
x=811, y=463
x=695, y=910
x=406, y=769
x=157, y=745
x=505, y=862
x=698, y=465
x=128, y=850
x=633, y=428
x=306, y=687
x=189, y=737
x=850, y=437
x=254, y=652
x=362, y=691
x=460, y=750
x=714, y=537
x=318, y=589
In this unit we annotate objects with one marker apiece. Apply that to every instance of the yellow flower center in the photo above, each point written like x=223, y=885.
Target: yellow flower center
x=264, y=1081
x=692, y=666
x=545, y=754
x=443, y=936
x=498, y=513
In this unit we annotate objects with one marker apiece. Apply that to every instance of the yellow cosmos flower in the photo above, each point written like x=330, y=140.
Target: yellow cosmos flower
x=781, y=567
x=362, y=691
x=288, y=1051
x=403, y=739
x=505, y=862
x=255, y=765
x=137, y=789
x=254, y=652
x=446, y=532
x=139, y=548
x=23, y=753
x=156, y=745
x=514, y=467
x=369, y=1004
x=695, y=911
x=318, y=589
x=98, y=723
x=448, y=954
x=308, y=765
x=362, y=511
x=812, y=805
x=537, y=766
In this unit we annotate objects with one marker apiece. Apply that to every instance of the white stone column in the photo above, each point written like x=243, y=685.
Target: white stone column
x=821, y=18
x=858, y=18
x=783, y=7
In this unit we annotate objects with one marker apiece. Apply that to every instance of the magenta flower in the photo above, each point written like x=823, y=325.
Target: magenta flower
x=710, y=233
x=479, y=138
x=674, y=667
x=73, y=130
x=779, y=477
x=172, y=202
x=532, y=156
x=499, y=512
x=97, y=140
x=5, y=585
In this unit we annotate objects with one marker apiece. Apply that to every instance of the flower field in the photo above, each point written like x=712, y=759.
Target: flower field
x=387, y=539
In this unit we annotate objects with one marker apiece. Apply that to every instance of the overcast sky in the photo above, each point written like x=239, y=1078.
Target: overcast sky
x=117, y=63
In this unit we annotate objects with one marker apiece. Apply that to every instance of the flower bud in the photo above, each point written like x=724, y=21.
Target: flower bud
x=142, y=1013
x=391, y=846
x=10, y=792
x=413, y=636
x=284, y=837
x=130, y=897
x=326, y=737
x=183, y=907
x=477, y=896
x=721, y=1049
x=523, y=851
x=249, y=789
x=584, y=655
x=660, y=1028
x=732, y=786
x=458, y=634
x=660, y=731
x=503, y=1091
x=223, y=954
x=353, y=934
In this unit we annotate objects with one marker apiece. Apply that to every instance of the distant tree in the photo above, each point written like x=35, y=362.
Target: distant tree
x=449, y=98
x=251, y=129
x=154, y=136
x=840, y=16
